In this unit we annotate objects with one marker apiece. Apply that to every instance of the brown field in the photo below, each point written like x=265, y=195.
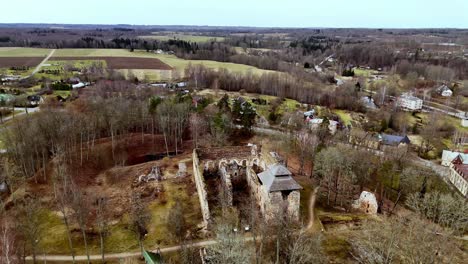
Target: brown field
x=123, y=62
x=6, y=62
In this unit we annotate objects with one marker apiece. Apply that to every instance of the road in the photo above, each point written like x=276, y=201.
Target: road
x=63, y=258
x=38, y=67
x=22, y=110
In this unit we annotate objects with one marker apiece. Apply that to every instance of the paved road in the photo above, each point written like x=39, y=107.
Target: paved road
x=38, y=67
x=23, y=111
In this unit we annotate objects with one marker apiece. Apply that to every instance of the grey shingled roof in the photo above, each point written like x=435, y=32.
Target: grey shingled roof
x=278, y=178
x=394, y=140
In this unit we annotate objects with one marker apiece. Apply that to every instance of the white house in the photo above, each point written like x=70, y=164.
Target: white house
x=458, y=175
x=448, y=156
x=78, y=85
x=410, y=102
x=464, y=122
x=444, y=91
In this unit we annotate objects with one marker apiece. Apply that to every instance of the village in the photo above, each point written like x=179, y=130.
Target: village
x=146, y=153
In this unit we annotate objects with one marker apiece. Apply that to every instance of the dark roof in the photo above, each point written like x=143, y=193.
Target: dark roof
x=394, y=140
x=278, y=178
x=462, y=169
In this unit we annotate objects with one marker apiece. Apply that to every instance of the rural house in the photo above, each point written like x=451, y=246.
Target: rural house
x=393, y=140
x=444, y=91
x=409, y=102
x=458, y=175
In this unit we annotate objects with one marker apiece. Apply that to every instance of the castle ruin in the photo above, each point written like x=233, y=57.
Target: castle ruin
x=245, y=172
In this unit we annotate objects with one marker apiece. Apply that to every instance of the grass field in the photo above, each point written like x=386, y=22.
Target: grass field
x=178, y=64
x=364, y=72
x=171, y=60
x=23, y=52
x=185, y=37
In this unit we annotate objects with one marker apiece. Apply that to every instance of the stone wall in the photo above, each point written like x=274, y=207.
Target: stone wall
x=294, y=202
x=201, y=188
x=256, y=190
x=271, y=203
x=227, y=185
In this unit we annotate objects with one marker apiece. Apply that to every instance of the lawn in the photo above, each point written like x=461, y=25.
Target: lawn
x=364, y=72
x=185, y=37
x=23, y=52
x=345, y=116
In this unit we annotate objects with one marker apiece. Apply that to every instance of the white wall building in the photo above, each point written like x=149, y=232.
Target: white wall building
x=410, y=102
x=458, y=175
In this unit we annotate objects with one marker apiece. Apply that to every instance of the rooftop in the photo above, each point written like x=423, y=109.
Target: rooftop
x=394, y=140
x=278, y=178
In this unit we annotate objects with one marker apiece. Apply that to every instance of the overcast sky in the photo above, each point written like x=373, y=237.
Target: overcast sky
x=261, y=13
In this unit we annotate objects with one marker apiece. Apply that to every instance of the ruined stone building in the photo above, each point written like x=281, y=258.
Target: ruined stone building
x=245, y=173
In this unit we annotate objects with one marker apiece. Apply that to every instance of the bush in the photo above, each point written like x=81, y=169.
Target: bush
x=348, y=73
x=61, y=86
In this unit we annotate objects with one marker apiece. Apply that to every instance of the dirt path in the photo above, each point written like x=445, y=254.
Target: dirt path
x=312, y=200
x=38, y=67
x=66, y=258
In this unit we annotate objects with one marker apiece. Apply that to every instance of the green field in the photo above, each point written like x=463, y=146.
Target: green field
x=23, y=52
x=60, y=65
x=178, y=64
x=185, y=37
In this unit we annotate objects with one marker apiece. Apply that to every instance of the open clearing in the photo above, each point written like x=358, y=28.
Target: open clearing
x=123, y=62
x=6, y=62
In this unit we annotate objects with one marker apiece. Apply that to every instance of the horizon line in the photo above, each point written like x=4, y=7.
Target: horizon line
x=230, y=26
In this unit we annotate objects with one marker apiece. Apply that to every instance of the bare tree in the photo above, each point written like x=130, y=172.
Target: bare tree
x=79, y=204
x=7, y=239
x=304, y=249
x=306, y=143
x=139, y=218
x=62, y=188
x=29, y=224
x=102, y=222
x=231, y=247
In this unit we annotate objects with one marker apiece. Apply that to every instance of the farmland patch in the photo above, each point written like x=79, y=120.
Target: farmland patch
x=123, y=62
x=7, y=62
